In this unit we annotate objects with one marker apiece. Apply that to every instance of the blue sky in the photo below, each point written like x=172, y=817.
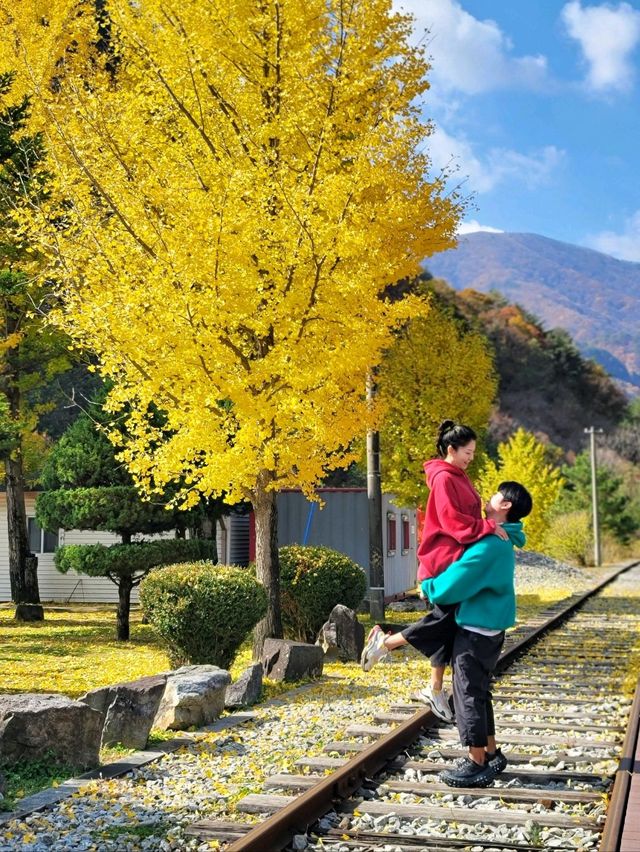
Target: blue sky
x=537, y=102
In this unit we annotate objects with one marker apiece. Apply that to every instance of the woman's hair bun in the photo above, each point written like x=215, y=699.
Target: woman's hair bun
x=445, y=426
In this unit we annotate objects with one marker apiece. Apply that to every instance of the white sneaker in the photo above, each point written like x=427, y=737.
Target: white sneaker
x=374, y=649
x=438, y=701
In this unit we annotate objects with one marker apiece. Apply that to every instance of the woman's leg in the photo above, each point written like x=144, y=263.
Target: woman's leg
x=394, y=640
x=437, y=676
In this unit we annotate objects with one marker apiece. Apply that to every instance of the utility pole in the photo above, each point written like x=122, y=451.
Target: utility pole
x=597, y=554
x=374, y=498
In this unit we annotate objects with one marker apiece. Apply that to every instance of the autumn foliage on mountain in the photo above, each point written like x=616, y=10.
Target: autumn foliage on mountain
x=545, y=384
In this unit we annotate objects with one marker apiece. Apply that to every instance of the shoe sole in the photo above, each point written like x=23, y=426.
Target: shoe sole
x=450, y=720
x=364, y=657
x=455, y=782
x=422, y=699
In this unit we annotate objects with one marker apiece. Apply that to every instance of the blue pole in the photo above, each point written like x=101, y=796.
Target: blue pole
x=307, y=528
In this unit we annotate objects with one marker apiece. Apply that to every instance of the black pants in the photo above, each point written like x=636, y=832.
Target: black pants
x=474, y=660
x=433, y=635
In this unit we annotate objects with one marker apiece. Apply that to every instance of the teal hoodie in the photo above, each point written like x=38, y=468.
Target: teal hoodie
x=481, y=581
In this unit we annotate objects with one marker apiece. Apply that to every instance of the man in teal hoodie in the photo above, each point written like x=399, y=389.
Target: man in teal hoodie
x=482, y=583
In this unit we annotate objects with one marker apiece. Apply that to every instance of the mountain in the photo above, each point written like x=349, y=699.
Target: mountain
x=596, y=298
x=544, y=383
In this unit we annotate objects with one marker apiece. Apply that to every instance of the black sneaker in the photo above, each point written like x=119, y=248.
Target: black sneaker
x=497, y=761
x=468, y=773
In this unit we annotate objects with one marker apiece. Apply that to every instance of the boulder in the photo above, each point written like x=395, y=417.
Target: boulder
x=286, y=660
x=246, y=690
x=193, y=696
x=129, y=709
x=33, y=726
x=342, y=636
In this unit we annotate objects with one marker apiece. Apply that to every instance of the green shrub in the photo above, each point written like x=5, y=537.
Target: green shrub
x=569, y=538
x=203, y=612
x=313, y=580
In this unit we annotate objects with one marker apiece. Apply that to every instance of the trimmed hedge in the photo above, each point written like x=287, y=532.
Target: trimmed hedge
x=203, y=612
x=313, y=579
x=99, y=560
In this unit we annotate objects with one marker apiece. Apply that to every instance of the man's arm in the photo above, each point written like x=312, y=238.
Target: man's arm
x=467, y=576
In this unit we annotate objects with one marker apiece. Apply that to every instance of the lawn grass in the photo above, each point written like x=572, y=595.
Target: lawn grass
x=74, y=650
x=28, y=777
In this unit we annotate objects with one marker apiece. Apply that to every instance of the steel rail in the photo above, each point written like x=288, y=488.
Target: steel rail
x=275, y=832
x=617, y=810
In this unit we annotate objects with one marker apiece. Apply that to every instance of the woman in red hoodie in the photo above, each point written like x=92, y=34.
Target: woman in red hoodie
x=453, y=520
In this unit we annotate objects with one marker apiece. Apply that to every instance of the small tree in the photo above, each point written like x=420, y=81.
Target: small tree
x=90, y=490
x=569, y=537
x=435, y=369
x=525, y=459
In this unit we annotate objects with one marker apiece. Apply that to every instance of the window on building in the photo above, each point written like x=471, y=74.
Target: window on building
x=391, y=534
x=406, y=534
x=41, y=541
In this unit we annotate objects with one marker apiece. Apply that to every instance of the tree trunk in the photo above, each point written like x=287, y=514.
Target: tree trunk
x=267, y=562
x=125, y=584
x=23, y=565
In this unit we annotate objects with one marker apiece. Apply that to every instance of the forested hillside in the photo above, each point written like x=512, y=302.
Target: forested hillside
x=596, y=298
x=545, y=384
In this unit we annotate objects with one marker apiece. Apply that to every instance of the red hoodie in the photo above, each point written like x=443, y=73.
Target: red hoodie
x=453, y=518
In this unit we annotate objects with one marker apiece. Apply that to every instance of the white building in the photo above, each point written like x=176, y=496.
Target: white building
x=342, y=523
x=232, y=541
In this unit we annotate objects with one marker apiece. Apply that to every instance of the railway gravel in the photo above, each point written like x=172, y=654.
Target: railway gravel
x=150, y=808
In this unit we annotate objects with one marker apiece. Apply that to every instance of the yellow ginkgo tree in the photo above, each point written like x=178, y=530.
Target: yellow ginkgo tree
x=523, y=458
x=240, y=180
x=436, y=369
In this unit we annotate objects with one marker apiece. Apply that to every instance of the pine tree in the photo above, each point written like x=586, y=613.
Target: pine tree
x=613, y=503
x=88, y=489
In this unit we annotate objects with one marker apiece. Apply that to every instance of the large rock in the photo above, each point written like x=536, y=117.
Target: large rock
x=246, y=690
x=129, y=709
x=193, y=696
x=34, y=726
x=342, y=636
x=286, y=660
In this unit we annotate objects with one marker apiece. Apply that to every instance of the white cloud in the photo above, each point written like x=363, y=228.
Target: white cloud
x=473, y=225
x=607, y=36
x=624, y=246
x=470, y=55
x=485, y=172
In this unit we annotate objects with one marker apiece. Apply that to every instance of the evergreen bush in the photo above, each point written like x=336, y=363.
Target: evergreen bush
x=139, y=557
x=313, y=580
x=203, y=612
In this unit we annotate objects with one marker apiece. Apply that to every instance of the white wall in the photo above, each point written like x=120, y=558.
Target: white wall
x=58, y=587
x=401, y=566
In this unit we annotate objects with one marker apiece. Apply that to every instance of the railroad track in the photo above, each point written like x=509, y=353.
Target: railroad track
x=560, y=719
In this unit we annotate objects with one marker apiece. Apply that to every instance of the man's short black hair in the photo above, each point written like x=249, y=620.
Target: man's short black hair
x=519, y=497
